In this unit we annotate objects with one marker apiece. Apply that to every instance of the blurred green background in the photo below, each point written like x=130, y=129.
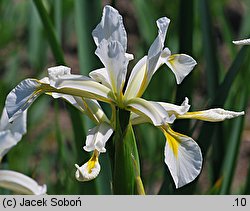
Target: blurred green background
x=35, y=35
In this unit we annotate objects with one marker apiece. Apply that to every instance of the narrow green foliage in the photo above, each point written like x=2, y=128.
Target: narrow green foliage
x=233, y=147
x=58, y=19
x=186, y=27
x=36, y=50
x=210, y=52
x=51, y=35
x=87, y=15
x=223, y=90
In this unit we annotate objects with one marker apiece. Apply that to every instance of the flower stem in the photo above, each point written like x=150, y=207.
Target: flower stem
x=124, y=175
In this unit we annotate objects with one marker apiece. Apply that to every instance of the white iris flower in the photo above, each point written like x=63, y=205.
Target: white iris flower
x=182, y=154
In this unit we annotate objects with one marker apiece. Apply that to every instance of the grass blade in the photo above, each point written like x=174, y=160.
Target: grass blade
x=212, y=66
x=233, y=147
x=87, y=14
x=51, y=34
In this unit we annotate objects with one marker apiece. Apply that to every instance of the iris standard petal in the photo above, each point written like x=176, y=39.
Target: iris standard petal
x=182, y=156
x=97, y=137
x=89, y=170
x=136, y=79
x=149, y=110
x=113, y=57
x=146, y=67
x=181, y=65
x=242, y=42
x=110, y=28
x=156, y=48
x=211, y=115
x=20, y=183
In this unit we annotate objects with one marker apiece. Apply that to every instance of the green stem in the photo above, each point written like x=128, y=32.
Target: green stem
x=124, y=175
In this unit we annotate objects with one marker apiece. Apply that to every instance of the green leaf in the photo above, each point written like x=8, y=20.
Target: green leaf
x=233, y=146
x=210, y=52
x=36, y=49
x=186, y=28
x=50, y=32
x=87, y=15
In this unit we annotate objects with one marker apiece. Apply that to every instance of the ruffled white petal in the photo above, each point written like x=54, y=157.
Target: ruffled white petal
x=181, y=65
x=151, y=111
x=212, y=115
x=57, y=72
x=175, y=109
x=183, y=157
x=89, y=170
x=11, y=133
x=112, y=55
x=110, y=28
x=97, y=137
x=64, y=82
x=20, y=183
x=21, y=97
x=83, y=175
x=242, y=42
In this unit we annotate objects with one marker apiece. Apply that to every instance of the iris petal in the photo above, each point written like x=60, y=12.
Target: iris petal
x=152, y=111
x=97, y=137
x=242, y=42
x=89, y=170
x=181, y=65
x=113, y=57
x=182, y=156
x=110, y=28
x=20, y=183
x=211, y=115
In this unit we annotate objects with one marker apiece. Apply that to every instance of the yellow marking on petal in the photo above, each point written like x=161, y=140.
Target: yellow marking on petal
x=173, y=139
x=92, y=161
x=171, y=59
x=172, y=142
x=192, y=115
x=89, y=113
x=143, y=85
x=211, y=115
